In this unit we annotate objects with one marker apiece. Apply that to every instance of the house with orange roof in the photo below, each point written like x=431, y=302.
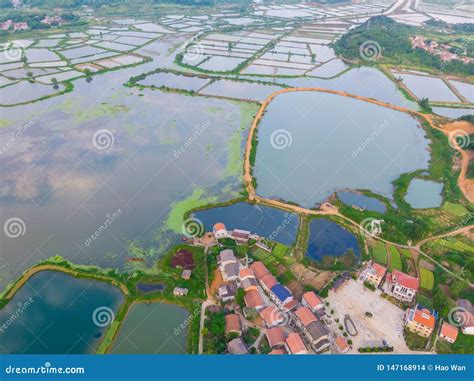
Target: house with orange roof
x=304, y=316
x=295, y=345
x=259, y=269
x=253, y=299
x=420, y=320
x=448, y=332
x=246, y=273
x=276, y=337
x=314, y=303
x=232, y=324
x=268, y=281
x=374, y=273
x=402, y=286
x=220, y=231
x=341, y=344
x=272, y=316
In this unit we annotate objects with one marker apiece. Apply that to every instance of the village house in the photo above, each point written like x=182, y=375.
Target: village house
x=341, y=344
x=227, y=292
x=241, y=237
x=186, y=274
x=272, y=316
x=237, y=347
x=232, y=324
x=282, y=297
x=268, y=281
x=375, y=273
x=448, y=332
x=295, y=345
x=402, y=286
x=228, y=265
x=220, y=231
x=179, y=291
x=420, y=320
x=253, y=299
x=276, y=337
x=259, y=269
x=465, y=316
x=314, y=303
x=314, y=330
x=247, y=279
x=277, y=351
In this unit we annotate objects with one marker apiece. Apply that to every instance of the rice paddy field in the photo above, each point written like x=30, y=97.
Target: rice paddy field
x=427, y=279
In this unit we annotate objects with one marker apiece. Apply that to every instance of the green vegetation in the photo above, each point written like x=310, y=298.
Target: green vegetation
x=394, y=46
x=427, y=279
x=379, y=252
x=395, y=259
x=214, y=333
x=455, y=209
x=414, y=341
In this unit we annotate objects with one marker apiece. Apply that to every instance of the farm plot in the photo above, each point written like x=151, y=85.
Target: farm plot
x=427, y=279
x=379, y=252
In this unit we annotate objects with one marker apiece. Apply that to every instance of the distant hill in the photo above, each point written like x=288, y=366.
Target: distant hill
x=382, y=39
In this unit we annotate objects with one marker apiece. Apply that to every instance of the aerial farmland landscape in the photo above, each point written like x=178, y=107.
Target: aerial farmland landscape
x=237, y=177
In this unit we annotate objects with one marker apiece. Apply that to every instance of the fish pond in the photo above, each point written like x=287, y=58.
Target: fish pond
x=267, y=222
x=58, y=314
x=423, y=194
x=329, y=239
x=361, y=201
x=153, y=328
x=329, y=142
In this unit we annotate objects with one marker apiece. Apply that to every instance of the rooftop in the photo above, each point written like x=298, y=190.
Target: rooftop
x=237, y=347
x=246, y=272
x=281, y=292
x=253, y=299
x=312, y=299
x=259, y=269
x=405, y=280
x=295, y=344
x=449, y=330
x=269, y=281
x=305, y=316
x=232, y=323
x=275, y=336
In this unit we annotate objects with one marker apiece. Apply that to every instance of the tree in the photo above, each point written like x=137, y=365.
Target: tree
x=424, y=104
x=239, y=297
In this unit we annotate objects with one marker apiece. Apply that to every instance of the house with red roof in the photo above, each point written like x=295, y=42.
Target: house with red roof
x=314, y=303
x=448, y=332
x=272, y=316
x=276, y=337
x=259, y=269
x=420, y=320
x=220, y=231
x=374, y=273
x=304, y=316
x=232, y=324
x=295, y=345
x=341, y=344
x=268, y=281
x=277, y=351
x=402, y=286
x=253, y=299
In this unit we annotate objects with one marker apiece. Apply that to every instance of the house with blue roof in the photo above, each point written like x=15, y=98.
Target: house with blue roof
x=282, y=297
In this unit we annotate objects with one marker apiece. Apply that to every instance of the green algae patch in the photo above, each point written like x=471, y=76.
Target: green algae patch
x=179, y=208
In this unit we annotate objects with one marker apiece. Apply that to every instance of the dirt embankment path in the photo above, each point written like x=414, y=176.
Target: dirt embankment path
x=466, y=185
x=51, y=267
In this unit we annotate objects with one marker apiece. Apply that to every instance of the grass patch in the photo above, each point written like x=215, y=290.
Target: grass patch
x=427, y=279
x=379, y=253
x=455, y=209
x=395, y=259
